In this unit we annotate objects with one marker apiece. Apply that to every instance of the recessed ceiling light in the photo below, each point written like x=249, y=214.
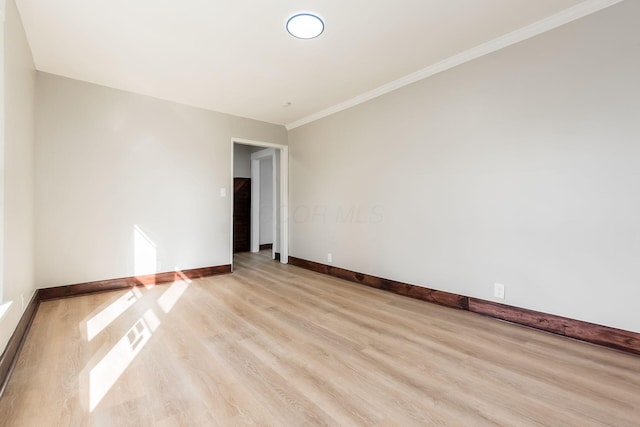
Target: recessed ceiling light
x=305, y=26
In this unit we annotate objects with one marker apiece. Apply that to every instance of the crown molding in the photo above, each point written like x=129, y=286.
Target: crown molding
x=571, y=14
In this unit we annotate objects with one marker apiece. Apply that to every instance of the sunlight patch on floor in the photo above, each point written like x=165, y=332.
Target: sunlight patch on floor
x=169, y=298
x=105, y=374
x=97, y=323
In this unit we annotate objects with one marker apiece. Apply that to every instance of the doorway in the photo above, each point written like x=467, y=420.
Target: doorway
x=263, y=169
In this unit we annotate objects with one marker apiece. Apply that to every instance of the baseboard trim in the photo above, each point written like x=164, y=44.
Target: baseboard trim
x=606, y=336
x=266, y=246
x=418, y=292
x=129, y=282
x=10, y=354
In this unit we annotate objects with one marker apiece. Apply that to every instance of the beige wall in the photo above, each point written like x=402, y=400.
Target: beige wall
x=18, y=173
x=521, y=168
x=108, y=161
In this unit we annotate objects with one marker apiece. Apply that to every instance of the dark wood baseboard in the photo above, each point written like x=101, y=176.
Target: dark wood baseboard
x=266, y=246
x=9, y=356
x=618, y=339
x=277, y=257
x=584, y=331
x=418, y=292
x=129, y=282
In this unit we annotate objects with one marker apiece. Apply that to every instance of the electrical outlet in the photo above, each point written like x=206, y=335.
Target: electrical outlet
x=329, y=258
x=498, y=290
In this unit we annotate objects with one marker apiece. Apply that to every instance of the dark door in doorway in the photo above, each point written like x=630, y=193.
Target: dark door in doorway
x=241, y=214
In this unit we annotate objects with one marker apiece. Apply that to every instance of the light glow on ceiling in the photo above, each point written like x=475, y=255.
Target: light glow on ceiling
x=305, y=26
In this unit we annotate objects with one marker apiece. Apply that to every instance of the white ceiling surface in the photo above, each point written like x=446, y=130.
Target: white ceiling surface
x=236, y=57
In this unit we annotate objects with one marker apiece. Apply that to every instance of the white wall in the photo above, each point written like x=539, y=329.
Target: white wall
x=17, y=162
x=109, y=160
x=266, y=201
x=521, y=167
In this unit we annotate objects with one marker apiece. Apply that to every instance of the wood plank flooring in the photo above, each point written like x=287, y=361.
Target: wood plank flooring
x=275, y=345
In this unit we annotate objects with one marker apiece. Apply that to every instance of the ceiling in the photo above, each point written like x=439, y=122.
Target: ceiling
x=236, y=57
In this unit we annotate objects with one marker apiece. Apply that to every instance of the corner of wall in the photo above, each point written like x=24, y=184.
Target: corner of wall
x=18, y=172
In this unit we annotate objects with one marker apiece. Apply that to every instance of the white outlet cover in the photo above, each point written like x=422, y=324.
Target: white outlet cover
x=329, y=258
x=498, y=290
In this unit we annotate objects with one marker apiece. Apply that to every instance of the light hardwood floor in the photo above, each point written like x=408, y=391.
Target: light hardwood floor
x=275, y=345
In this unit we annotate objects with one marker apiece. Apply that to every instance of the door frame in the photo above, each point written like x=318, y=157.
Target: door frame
x=284, y=196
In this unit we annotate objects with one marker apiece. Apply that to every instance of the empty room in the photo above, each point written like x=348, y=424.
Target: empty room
x=341, y=213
